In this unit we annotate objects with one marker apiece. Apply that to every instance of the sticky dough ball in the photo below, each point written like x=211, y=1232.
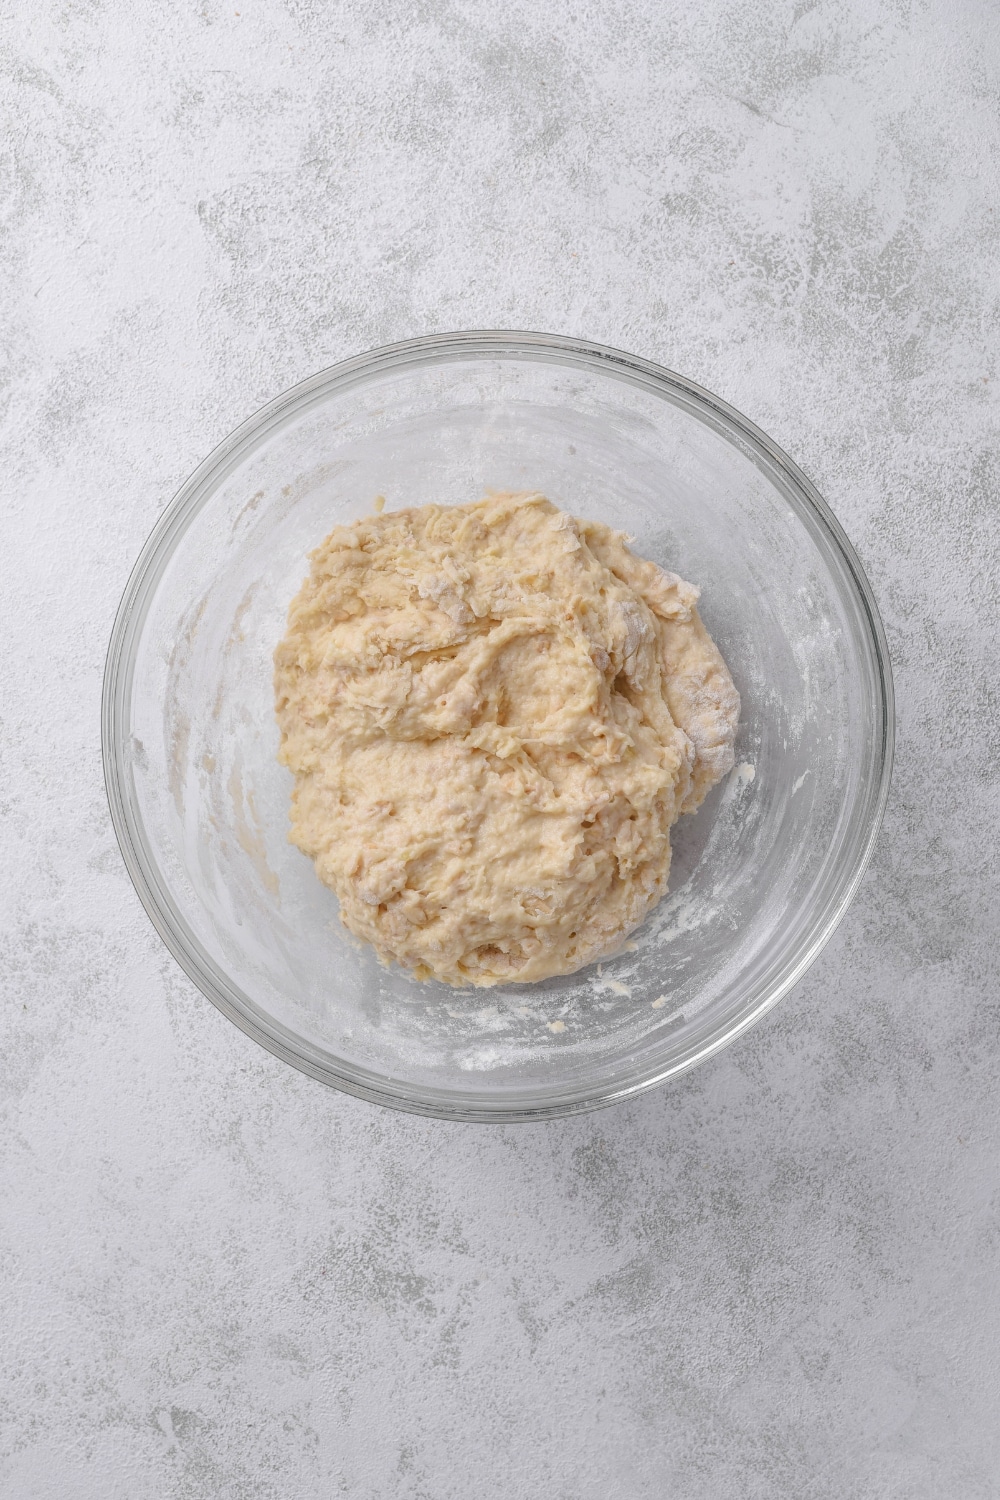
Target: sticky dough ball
x=494, y=714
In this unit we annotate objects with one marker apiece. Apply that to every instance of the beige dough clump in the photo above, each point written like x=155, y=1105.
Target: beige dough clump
x=494, y=714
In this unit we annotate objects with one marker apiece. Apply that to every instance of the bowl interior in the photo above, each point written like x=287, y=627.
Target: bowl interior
x=760, y=874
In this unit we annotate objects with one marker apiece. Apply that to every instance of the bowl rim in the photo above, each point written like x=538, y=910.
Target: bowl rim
x=151, y=563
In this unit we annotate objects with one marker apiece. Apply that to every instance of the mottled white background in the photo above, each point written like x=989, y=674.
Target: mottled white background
x=776, y=1279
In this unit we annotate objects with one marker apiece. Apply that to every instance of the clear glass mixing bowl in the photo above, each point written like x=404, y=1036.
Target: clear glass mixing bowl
x=761, y=875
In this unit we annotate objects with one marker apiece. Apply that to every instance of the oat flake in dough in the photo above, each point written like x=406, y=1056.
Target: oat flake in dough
x=494, y=713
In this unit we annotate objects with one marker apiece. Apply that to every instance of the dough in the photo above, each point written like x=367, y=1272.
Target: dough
x=494, y=713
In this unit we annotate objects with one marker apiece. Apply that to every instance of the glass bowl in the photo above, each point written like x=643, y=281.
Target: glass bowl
x=761, y=874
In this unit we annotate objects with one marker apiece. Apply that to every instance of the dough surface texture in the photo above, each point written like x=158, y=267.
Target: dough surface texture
x=494, y=713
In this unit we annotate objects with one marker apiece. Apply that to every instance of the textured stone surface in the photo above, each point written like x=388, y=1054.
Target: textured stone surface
x=774, y=1279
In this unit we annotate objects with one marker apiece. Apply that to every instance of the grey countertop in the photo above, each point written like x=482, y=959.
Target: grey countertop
x=775, y=1278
